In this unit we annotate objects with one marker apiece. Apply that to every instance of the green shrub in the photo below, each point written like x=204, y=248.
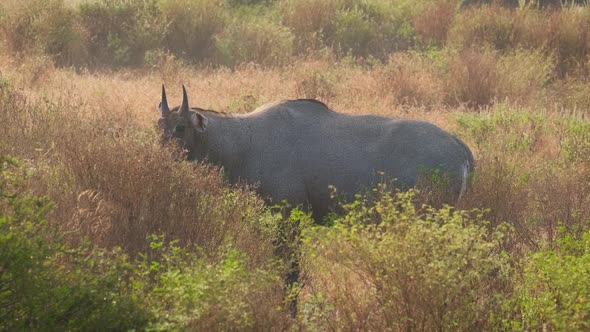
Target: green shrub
x=523, y=75
x=394, y=25
x=120, y=32
x=359, y=28
x=313, y=22
x=576, y=141
x=190, y=26
x=189, y=291
x=573, y=95
x=259, y=40
x=49, y=27
x=506, y=130
x=554, y=290
x=389, y=265
x=354, y=32
x=489, y=26
x=525, y=173
x=46, y=285
x=559, y=33
x=374, y=28
x=568, y=38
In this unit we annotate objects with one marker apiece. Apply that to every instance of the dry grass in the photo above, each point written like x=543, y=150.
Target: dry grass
x=472, y=78
x=312, y=22
x=96, y=154
x=90, y=140
x=523, y=175
x=475, y=78
x=512, y=83
x=127, y=100
x=432, y=25
x=561, y=33
x=413, y=80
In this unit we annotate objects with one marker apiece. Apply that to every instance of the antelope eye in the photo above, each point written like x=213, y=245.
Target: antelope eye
x=179, y=129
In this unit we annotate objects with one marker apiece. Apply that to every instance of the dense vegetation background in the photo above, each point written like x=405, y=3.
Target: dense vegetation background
x=103, y=228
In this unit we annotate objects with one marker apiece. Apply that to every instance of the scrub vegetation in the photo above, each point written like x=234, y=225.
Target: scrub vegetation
x=102, y=228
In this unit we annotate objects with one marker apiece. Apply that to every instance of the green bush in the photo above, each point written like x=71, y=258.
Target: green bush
x=259, y=40
x=313, y=22
x=576, y=141
x=523, y=75
x=360, y=28
x=44, y=284
x=554, y=290
x=120, y=32
x=529, y=171
x=573, y=95
x=374, y=28
x=49, y=27
x=483, y=26
x=191, y=292
x=394, y=27
x=509, y=130
x=354, y=32
x=559, y=33
x=388, y=264
x=568, y=38
x=190, y=26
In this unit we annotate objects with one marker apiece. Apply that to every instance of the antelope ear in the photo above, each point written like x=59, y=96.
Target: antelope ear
x=199, y=121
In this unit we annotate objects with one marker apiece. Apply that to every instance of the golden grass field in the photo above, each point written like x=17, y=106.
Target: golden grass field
x=86, y=138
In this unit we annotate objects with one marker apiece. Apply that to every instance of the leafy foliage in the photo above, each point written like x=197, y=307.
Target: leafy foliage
x=120, y=32
x=259, y=41
x=511, y=82
x=391, y=264
x=185, y=290
x=554, y=290
x=44, y=284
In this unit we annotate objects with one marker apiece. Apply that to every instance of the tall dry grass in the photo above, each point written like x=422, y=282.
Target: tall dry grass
x=473, y=78
x=433, y=24
x=561, y=33
x=91, y=144
x=113, y=183
x=524, y=174
x=90, y=131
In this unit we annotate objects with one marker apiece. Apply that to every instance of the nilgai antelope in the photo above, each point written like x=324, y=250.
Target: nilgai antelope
x=296, y=150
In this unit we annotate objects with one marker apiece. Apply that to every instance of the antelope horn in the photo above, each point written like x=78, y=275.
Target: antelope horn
x=184, y=106
x=164, y=109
